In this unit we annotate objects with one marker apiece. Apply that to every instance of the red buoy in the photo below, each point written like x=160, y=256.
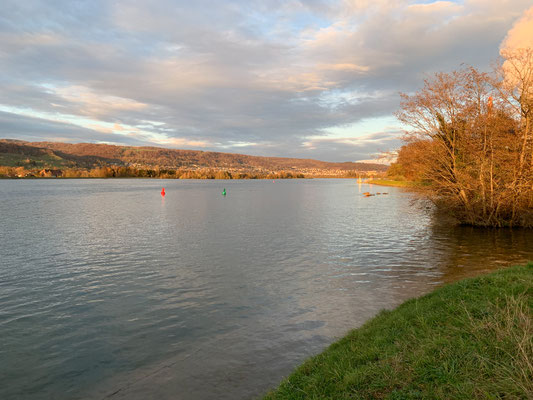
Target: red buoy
x=163, y=192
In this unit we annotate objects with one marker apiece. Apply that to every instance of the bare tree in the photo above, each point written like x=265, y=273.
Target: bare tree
x=471, y=142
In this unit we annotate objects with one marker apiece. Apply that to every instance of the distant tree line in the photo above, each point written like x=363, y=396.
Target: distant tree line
x=28, y=170
x=132, y=172
x=471, y=142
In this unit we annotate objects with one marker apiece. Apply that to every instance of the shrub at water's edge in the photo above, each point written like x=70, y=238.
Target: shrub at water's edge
x=470, y=140
x=467, y=340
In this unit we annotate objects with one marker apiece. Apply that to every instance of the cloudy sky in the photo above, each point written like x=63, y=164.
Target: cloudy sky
x=314, y=79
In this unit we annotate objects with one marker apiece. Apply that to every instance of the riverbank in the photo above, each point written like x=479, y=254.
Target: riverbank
x=390, y=182
x=466, y=340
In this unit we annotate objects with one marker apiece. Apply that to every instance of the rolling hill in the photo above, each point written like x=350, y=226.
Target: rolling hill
x=89, y=155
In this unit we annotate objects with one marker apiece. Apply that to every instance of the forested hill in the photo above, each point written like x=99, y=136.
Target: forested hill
x=88, y=155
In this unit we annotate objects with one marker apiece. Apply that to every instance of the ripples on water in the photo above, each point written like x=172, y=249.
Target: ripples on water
x=109, y=291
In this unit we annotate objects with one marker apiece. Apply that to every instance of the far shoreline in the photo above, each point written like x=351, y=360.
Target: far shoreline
x=192, y=178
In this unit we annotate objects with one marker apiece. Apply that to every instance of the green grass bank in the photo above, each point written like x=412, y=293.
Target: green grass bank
x=472, y=339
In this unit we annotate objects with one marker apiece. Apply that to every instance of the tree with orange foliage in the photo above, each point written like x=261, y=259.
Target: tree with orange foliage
x=470, y=137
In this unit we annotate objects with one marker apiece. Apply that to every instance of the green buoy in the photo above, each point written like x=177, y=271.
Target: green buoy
x=224, y=192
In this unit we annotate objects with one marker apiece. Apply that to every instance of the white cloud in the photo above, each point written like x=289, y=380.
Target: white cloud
x=521, y=34
x=94, y=104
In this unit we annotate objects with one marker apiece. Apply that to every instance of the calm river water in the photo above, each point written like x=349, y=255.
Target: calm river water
x=109, y=291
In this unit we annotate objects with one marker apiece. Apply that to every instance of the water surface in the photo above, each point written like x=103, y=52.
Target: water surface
x=108, y=290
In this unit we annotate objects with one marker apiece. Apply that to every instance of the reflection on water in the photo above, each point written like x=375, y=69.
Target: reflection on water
x=471, y=251
x=108, y=290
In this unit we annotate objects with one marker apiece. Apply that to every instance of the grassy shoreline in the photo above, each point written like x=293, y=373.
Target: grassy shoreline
x=391, y=182
x=466, y=340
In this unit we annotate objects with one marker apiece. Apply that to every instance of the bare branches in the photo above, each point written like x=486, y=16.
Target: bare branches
x=471, y=141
